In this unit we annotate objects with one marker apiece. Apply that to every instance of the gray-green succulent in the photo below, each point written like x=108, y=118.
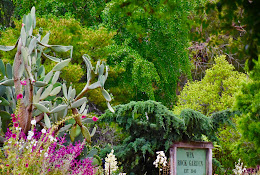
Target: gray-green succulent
x=38, y=87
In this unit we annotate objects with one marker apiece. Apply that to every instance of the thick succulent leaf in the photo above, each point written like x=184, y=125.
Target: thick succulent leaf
x=61, y=65
x=65, y=128
x=52, y=58
x=73, y=94
x=94, y=85
x=55, y=77
x=88, y=120
x=33, y=16
x=69, y=92
x=106, y=95
x=55, y=91
x=109, y=107
x=106, y=74
x=101, y=79
x=101, y=69
x=9, y=71
x=46, y=92
x=36, y=97
x=28, y=22
x=59, y=48
x=23, y=36
x=47, y=120
x=85, y=133
x=93, y=132
x=64, y=89
x=45, y=39
x=97, y=66
x=2, y=90
x=4, y=102
x=78, y=131
x=24, y=54
x=59, y=108
x=73, y=131
x=41, y=107
x=78, y=103
x=47, y=78
x=40, y=84
x=9, y=48
x=82, y=108
x=21, y=70
x=32, y=45
x=86, y=59
x=9, y=82
x=6, y=48
x=40, y=70
x=2, y=67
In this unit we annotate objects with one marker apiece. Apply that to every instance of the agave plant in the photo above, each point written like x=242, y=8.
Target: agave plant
x=26, y=86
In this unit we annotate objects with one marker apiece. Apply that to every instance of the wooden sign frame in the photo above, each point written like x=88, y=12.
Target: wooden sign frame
x=191, y=145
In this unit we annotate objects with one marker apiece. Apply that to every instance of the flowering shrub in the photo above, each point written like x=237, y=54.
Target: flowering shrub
x=240, y=170
x=41, y=153
x=111, y=163
x=161, y=160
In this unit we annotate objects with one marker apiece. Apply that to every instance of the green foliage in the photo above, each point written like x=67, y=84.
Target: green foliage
x=32, y=93
x=249, y=12
x=215, y=92
x=6, y=10
x=248, y=102
x=71, y=74
x=149, y=126
x=87, y=11
x=157, y=33
x=69, y=32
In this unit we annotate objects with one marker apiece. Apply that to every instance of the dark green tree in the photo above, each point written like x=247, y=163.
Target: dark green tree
x=149, y=127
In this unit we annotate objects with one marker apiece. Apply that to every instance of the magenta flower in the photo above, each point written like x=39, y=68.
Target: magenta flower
x=7, y=165
x=19, y=96
x=95, y=119
x=23, y=82
x=26, y=165
x=16, y=125
x=83, y=116
x=14, y=119
x=14, y=136
x=23, y=24
x=13, y=115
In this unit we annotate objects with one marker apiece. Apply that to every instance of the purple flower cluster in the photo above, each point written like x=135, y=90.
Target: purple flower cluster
x=58, y=157
x=65, y=157
x=253, y=170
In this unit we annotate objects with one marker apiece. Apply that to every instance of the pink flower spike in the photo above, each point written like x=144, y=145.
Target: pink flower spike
x=83, y=116
x=12, y=115
x=95, y=119
x=19, y=96
x=14, y=136
x=14, y=119
x=23, y=82
x=16, y=125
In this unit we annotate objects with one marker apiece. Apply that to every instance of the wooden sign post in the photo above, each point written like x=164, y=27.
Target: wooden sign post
x=193, y=158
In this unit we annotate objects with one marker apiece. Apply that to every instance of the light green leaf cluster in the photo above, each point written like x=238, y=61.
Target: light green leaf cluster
x=215, y=92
